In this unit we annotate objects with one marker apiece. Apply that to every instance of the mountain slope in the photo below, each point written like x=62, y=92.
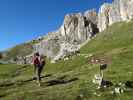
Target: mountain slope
x=72, y=79
x=17, y=51
x=77, y=28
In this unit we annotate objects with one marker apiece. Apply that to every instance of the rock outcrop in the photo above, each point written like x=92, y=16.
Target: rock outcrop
x=76, y=29
x=79, y=28
x=66, y=50
x=119, y=10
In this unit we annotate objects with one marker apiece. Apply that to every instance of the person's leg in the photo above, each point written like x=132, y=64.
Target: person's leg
x=41, y=67
x=35, y=72
x=40, y=71
x=35, y=68
x=38, y=74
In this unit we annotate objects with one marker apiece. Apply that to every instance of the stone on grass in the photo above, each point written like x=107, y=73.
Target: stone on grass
x=118, y=90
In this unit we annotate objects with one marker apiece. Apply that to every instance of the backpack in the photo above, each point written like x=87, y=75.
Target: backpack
x=36, y=60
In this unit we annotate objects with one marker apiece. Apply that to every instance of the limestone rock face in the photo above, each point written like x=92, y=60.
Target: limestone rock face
x=66, y=50
x=77, y=27
x=75, y=30
x=119, y=10
x=49, y=46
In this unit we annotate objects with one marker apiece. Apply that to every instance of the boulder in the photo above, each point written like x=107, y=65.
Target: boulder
x=102, y=83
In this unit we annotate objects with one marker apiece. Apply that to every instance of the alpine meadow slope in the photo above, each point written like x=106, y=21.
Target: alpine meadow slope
x=76, y=29
x=72, y=79
x=106, y=36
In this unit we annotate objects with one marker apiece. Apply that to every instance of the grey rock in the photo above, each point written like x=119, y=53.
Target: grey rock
x=75, y=30
x=118, y=90
x=119, y=10
x=23, y=60
x=48, y=47
x=66, y=50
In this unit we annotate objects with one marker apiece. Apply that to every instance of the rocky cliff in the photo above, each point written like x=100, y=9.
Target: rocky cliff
x=119, y=10
x=78, y=28
x=75, y=30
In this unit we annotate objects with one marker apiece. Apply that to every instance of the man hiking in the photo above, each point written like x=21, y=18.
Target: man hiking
x=39, y=62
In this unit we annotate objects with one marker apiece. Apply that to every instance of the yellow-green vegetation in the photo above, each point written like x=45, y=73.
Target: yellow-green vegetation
x=72, y=79
x=20, y=50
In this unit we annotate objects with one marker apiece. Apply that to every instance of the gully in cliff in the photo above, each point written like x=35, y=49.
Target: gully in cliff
x=39, y=63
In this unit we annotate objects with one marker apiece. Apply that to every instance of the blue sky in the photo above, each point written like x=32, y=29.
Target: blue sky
x=23, y=20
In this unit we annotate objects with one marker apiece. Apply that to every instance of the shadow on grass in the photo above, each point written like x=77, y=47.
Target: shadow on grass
x=20, y=82
x=56, y=81
x=3, y=95
x=60, y=80
x=34, y=78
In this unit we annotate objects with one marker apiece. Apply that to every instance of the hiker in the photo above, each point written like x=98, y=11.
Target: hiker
x=35, y=61
x=41, y=66
x=39, y=62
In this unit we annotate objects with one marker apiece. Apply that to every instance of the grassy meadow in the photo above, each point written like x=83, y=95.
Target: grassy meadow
x=72, y=79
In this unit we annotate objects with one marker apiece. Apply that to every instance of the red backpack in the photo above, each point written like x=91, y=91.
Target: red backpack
x=36, y=60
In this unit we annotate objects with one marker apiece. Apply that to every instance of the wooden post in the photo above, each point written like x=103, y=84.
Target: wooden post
x=102, y=68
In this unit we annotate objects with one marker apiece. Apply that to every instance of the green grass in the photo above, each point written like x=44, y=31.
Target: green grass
x=114, y=43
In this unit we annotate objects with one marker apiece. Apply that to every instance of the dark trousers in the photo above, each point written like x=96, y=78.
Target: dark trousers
x=38, y=70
